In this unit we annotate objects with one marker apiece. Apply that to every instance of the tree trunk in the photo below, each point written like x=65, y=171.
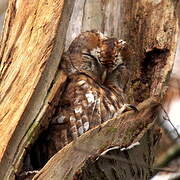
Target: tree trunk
x=31, y=47
x=33, y=40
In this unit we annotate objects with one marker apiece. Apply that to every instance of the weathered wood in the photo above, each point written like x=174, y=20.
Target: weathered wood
x=31, y=47
x=122, y=131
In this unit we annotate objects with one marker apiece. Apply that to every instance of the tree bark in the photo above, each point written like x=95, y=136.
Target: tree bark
x=31, y=47
x=33, y=40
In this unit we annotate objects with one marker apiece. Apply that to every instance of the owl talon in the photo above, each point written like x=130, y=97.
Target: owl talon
x=128, y=107
x=132, y=107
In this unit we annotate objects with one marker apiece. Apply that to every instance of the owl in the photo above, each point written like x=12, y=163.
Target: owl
x=94, y=89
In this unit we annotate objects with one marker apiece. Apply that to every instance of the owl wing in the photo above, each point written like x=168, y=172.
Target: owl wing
x=84, y=105
x=79, y=110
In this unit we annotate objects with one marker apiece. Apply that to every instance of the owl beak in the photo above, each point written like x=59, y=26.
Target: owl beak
x=103, y=77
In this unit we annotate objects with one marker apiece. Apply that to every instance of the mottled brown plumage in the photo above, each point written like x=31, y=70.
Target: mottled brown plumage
x=94, y=89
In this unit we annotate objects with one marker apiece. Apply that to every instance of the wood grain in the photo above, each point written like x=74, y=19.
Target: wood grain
x=31, y=47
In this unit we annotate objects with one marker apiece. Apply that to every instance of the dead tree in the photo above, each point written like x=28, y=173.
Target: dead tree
x=34, y=37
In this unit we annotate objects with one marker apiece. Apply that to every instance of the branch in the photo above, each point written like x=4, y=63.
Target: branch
x=131, y=127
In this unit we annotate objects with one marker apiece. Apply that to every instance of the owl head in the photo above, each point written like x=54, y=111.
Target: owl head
x=95, y=54
x=110, y=53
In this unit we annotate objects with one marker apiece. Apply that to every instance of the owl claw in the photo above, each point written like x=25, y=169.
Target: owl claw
x=128, y=107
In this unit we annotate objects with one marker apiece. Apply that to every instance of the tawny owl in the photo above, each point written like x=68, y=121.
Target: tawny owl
x=94, y=90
